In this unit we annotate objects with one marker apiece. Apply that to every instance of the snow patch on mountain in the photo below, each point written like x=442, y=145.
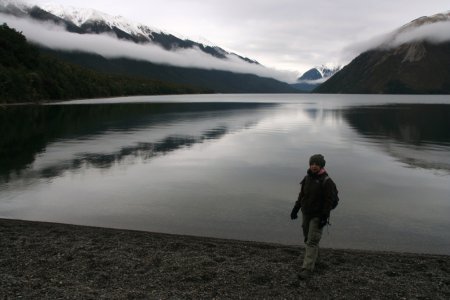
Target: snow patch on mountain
x=80, y=16
x=328, y=71
x=318, y=74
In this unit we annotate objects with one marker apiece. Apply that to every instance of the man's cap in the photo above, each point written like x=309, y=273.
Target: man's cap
x=317, y=159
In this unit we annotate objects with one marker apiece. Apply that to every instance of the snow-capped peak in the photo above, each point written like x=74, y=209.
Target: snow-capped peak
x=318, y=74
x=79, y=16
x=327, y=71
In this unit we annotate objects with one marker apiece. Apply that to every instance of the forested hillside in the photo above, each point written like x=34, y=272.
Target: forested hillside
x=218, y=81
x=412, y=68
x=27, y=75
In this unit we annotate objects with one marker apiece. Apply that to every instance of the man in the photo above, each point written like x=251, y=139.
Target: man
x=315, y=201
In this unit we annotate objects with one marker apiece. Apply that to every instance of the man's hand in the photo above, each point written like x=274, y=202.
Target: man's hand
x=294, y=212
x=294, y=215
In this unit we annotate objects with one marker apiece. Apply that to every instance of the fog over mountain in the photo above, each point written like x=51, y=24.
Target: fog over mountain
x=414, y=59
x=434, y=29
x=51, y=35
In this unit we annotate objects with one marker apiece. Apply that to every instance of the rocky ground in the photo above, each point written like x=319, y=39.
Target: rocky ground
x=55, y=261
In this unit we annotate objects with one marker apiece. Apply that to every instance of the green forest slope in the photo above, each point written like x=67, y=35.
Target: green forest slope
x=27, y=75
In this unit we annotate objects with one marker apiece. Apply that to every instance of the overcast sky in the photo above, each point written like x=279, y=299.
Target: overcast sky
x=291, y=35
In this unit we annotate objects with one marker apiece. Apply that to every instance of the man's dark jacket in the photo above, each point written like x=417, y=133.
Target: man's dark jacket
x=315, y=197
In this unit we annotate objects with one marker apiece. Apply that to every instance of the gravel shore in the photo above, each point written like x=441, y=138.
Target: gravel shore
x=57, y=261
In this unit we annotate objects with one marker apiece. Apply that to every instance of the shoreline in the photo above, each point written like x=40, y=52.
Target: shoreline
x=53, y=260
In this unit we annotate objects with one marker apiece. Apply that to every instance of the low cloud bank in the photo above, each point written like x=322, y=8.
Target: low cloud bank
x=433, y=33
x=55, y=37
x=316, y=81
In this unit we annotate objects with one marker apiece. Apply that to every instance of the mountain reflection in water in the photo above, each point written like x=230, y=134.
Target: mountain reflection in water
x=28, y=132
x=415, y=134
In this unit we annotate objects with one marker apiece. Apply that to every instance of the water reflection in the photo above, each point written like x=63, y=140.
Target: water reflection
x=415, y=134
x=45, y=141
x=140, y=150
x=231, y=170
x=414, y=124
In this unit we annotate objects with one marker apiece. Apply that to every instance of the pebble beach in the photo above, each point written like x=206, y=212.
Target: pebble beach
x=58, y=261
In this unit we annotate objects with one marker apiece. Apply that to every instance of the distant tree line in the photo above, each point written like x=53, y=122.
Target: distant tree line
x=28, y=75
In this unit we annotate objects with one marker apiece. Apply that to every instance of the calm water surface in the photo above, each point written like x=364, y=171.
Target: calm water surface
x=229, y=166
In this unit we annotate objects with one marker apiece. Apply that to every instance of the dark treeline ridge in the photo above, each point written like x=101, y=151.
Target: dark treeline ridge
x=219, y=81
x=28, y=75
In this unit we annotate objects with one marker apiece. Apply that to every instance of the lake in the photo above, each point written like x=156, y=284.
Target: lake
x=229, y=166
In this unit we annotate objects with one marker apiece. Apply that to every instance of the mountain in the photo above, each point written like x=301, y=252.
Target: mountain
x=311, y=74
x=314, y=77
x=414, y=59
x=88, y=21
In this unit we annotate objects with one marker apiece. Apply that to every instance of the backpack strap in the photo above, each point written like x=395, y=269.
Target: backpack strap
x=322, y=192
x=325, y=179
